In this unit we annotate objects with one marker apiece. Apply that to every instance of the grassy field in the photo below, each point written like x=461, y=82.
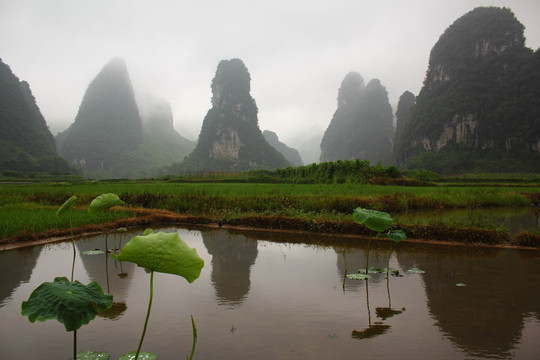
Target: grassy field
x=30, y=208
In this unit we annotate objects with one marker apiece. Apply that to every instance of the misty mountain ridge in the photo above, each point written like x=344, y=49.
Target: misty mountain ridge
x=479, y=107
x=110, y=137
x=292, y=155
x=362, y=126
x=26, y=144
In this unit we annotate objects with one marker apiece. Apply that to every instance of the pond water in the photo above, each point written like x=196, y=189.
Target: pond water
x=264, y=295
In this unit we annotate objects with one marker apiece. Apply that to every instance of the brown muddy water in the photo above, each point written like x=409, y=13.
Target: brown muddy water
x=261, y=299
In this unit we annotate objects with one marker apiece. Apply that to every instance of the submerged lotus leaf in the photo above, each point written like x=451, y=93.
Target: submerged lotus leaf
x=92, y=355
x=66, y=205
x=142, y=356
x=396, y=235
x=163, y=252
x=415, y=271
x=104, y=202
x=358, y=276
x=373, y=219
x=94, y=252
x=71, y=303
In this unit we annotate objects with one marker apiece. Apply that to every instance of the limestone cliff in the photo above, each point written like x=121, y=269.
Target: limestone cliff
x=480, y=101
x=230, y=138
x=292, y=155
x=26, y=144
x=107, y=126
x=361, y=127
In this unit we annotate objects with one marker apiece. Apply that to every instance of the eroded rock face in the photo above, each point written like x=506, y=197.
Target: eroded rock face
x=230, y=138
x=479, y=97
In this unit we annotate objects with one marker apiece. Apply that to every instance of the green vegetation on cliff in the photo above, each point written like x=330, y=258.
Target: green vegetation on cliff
x=230, y=138
x=479, y=108
x=26, y=144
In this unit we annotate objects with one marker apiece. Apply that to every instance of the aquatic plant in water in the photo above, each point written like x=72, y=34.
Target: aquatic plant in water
x=70, y=302
x=59, y=212
x=166, y=253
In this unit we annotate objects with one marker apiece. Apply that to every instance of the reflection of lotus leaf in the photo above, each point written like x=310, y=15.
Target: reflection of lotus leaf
x=163, y=252
x=115, y=312
x=94, y=252
x=142, y=356
x=386, y=312
x=372, y=331
x=104, y=202
x=71, y=303
x=92, y=355
x=373, y=219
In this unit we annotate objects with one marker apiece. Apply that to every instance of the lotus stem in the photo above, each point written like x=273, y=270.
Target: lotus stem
x=75, y=344
x=147, y=314
x=194, y=338
x=74, y=250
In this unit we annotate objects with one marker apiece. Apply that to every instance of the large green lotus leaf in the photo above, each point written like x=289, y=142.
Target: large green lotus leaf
x=66, y=205
x=104, y=202
x=373, y=219
x=142, y=356
x=163, y=252
x=92, y=355
x=396, y=235
x=71, y=303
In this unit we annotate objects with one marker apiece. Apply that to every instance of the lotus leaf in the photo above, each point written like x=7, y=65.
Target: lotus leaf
x=94, y=252
x=415, y=271
x=104, y=202
x=66, y=205
x=92, y=355
x=373, y=219
x=142, y=356
x=71, y=303
x=121, y=230
x=461, y=285
x=358, y=276
x=396, y=235
x=163, y=252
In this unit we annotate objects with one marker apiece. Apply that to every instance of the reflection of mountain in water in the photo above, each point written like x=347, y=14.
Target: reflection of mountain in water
x=486, y=317
x=16, y=268
x=232, y=258
x=114, y=277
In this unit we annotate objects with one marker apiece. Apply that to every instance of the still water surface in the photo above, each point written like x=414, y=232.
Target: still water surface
x=260, y=299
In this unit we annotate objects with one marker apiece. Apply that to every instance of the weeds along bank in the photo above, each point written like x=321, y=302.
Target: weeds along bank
x=30, y=208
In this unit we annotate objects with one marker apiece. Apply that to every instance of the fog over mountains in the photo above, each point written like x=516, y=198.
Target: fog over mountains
x=478, y=110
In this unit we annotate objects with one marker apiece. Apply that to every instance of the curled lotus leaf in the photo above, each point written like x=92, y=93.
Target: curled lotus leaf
x=142, y=356
x=104, y=202
x=163, y=252
x=66, y=205
x=71, y=303
x=373, y=219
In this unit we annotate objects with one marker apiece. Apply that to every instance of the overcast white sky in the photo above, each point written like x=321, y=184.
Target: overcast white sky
x=297, y=51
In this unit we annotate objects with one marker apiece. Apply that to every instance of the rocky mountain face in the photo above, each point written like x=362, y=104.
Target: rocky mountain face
x=292, y=155
x=479, y=107
x=116, y=135
x=230, y=138
x=26, y=144
x=107, y=126
x=361, y=127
